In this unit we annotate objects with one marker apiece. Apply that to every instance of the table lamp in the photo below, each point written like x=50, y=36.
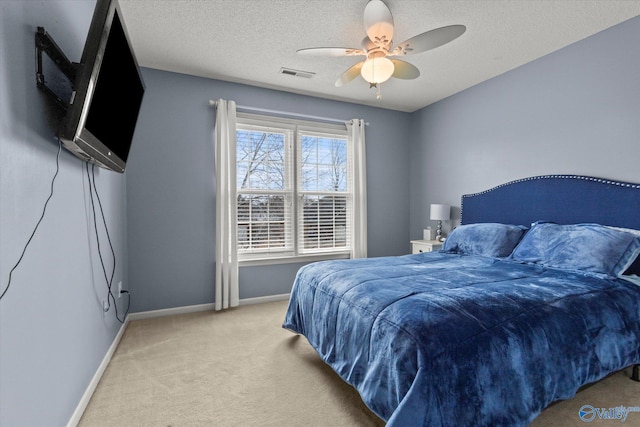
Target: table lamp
x=440, y=213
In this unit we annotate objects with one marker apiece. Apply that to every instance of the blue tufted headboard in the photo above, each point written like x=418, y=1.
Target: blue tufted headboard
x=565, y=199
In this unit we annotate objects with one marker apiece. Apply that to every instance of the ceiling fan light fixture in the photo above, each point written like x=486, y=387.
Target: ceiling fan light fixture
x=378, y=45
x=377, y=70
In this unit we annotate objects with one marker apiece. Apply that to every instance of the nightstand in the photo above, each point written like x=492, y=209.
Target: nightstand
x=419, y=246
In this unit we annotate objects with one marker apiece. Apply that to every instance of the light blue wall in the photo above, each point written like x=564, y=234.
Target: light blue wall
x=171, y=188
x=53, y=332
x=574, y=111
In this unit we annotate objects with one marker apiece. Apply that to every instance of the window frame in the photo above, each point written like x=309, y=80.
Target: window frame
x=296, y=126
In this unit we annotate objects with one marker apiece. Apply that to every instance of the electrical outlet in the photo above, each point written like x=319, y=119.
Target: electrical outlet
x=120, y=289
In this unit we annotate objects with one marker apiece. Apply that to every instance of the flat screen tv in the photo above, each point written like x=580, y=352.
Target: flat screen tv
x=107, y=93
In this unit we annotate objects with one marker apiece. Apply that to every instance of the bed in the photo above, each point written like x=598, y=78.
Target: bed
x=534, y=295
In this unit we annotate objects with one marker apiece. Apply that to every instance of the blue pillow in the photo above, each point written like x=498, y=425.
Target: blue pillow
x=634, y=268
x=485, y=239
x=590, y=248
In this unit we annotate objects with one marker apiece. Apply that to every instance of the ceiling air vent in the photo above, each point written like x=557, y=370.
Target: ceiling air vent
x=296, y=73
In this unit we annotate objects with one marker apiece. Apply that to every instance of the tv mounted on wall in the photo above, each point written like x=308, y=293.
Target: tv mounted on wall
x=107, y=90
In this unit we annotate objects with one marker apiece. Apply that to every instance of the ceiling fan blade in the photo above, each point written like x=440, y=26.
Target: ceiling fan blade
x=378, y=23
x=349, y=75
x=429, y=40
x=331, y=51
x=367, y=44
x=404, y=70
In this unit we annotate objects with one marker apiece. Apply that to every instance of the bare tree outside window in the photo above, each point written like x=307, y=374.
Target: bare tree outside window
x=261, y=183
x=269, y=208
x=324, y=177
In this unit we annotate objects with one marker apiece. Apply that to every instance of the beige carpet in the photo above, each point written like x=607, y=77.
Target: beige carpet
x=240, y=368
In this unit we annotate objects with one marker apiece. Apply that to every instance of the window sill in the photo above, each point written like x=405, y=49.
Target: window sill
x=250, y=262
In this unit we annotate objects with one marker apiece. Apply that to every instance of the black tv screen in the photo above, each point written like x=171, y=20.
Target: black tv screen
x=102, y=114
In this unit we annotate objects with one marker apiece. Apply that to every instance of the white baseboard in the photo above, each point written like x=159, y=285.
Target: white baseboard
x=201, y=307
x=260, y=300
x=170, y=311
x=86, y=397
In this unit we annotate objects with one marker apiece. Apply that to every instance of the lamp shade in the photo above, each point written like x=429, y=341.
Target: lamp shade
x=440, y=212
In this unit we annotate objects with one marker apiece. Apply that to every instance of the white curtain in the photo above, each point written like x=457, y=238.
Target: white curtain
x=226, y=291
x=359, y=231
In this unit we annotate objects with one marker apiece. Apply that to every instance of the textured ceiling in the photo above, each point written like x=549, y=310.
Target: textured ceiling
x=248, y=41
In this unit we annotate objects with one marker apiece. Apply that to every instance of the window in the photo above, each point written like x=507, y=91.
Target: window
x=294, y=188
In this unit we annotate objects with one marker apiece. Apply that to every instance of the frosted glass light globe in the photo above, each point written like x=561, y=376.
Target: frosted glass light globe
x=377, y=70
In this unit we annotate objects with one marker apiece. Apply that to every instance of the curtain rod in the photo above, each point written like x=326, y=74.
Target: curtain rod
x=284, y=113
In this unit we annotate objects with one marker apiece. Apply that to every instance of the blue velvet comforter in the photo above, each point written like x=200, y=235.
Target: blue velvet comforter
x=441, y=339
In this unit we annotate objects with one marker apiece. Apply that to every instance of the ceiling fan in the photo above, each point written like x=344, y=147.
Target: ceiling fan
x=377, y=47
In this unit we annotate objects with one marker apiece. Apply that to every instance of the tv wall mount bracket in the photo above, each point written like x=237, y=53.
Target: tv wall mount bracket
x=45, y=43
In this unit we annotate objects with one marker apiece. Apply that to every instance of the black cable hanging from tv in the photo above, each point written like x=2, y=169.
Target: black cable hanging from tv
x=91, y=178
x=33, y=233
